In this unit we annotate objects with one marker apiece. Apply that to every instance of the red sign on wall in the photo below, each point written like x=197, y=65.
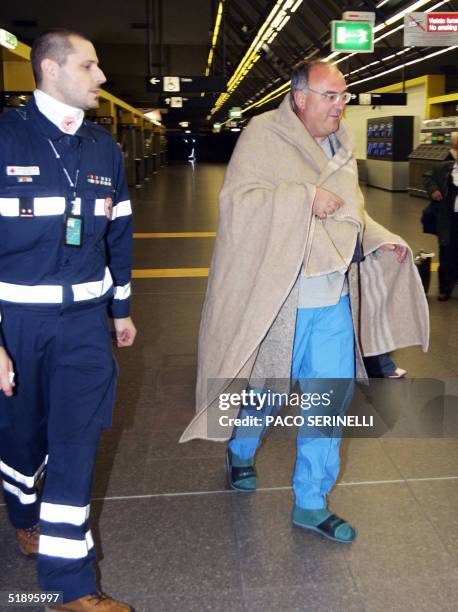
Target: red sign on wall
x=442, y=22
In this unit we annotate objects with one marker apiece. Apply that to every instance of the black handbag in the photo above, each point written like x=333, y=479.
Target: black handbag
x=429, y=218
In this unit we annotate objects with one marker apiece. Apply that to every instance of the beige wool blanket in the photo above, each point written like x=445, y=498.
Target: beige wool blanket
x=266, y=232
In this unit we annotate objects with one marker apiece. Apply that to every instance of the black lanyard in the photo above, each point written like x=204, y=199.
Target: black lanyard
x=73, y=183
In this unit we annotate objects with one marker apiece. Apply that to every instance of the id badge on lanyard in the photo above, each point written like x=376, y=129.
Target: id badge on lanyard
x=73, y=221
x=74, y=225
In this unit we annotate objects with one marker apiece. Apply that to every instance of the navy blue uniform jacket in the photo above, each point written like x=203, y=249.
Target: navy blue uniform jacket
x=36, y=267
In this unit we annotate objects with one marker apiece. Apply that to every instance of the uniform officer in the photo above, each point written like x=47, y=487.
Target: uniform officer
x=65, y=259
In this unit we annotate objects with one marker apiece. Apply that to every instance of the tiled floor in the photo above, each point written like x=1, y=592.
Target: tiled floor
x=172, y=537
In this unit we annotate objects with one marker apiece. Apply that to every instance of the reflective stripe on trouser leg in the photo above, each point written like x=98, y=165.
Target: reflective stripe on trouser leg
x=66, y=547
x=323, y=349
x=81, y=399
x=246, y=439
x=23, y=444
x=20, y=487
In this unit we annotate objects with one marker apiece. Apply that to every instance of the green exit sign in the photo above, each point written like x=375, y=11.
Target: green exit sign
x=235, y=112
x=352, y=36
x=8, y=40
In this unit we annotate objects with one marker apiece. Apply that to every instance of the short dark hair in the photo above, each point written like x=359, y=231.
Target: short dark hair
x=54, y=45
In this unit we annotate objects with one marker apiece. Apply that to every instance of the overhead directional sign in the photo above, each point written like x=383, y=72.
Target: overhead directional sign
x=175, y=101
x=185, y=84
x=352, y=36
x=368, y=16
x=431, y=29
x=379, y=99
x=189, y=103
x=170, y=83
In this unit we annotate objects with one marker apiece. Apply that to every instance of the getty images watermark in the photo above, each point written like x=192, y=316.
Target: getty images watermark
x=375, y=408
x=266, y=403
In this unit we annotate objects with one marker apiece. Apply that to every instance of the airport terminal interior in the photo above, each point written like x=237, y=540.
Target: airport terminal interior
x=171, y=535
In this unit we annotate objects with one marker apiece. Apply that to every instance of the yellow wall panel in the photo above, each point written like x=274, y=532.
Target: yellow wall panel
x=18, y=76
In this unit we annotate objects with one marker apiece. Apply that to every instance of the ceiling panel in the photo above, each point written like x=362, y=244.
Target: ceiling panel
x=181, y=33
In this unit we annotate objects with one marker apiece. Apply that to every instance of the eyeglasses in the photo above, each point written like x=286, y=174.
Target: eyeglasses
x=334, y=98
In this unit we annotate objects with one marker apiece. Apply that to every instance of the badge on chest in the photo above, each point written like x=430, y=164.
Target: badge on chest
x=73, y=231
x=95, y=179
x=73, y=227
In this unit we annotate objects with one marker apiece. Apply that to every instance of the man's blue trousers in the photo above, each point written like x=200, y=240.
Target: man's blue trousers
x=49, y=433
x=323, y=349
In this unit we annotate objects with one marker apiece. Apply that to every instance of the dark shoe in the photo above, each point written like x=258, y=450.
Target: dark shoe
x=328, y=528
x=241, y=477
x=443, y=297
x=28, y=540
x=95, y=602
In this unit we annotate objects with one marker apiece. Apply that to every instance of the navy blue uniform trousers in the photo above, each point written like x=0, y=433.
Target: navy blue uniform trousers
x=49, y=433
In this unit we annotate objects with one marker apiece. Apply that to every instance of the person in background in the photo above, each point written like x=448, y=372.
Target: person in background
x=382, y=366
x=442, y=187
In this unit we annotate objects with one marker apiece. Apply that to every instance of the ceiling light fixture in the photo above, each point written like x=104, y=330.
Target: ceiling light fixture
x=285, y=87
x=282, y=89
x=433, y=8
x=415, y=61
x=219, y=16
x=388, y=57
x=410, y=9
x=275, y=22
x=400, y=27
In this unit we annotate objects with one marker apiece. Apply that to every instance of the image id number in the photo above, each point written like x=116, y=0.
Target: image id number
x=29, y=598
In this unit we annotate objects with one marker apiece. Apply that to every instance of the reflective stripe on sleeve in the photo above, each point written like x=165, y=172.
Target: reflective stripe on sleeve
x=31, y=294
x=122, y=292
x=28, y=481
x=59, y=513
x=48, y=206
x=93, y=289
x=9, y=207
x=24, y=498
x=122, y=209
x=99, y=208
x=65, y=547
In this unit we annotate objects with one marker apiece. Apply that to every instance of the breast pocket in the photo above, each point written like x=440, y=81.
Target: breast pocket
x=29, y=219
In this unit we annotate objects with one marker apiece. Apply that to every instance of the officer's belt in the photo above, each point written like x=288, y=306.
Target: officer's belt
x=53, y=294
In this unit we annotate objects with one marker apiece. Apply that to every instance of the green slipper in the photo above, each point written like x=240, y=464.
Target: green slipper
x=325, y=523
x=241, y=474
